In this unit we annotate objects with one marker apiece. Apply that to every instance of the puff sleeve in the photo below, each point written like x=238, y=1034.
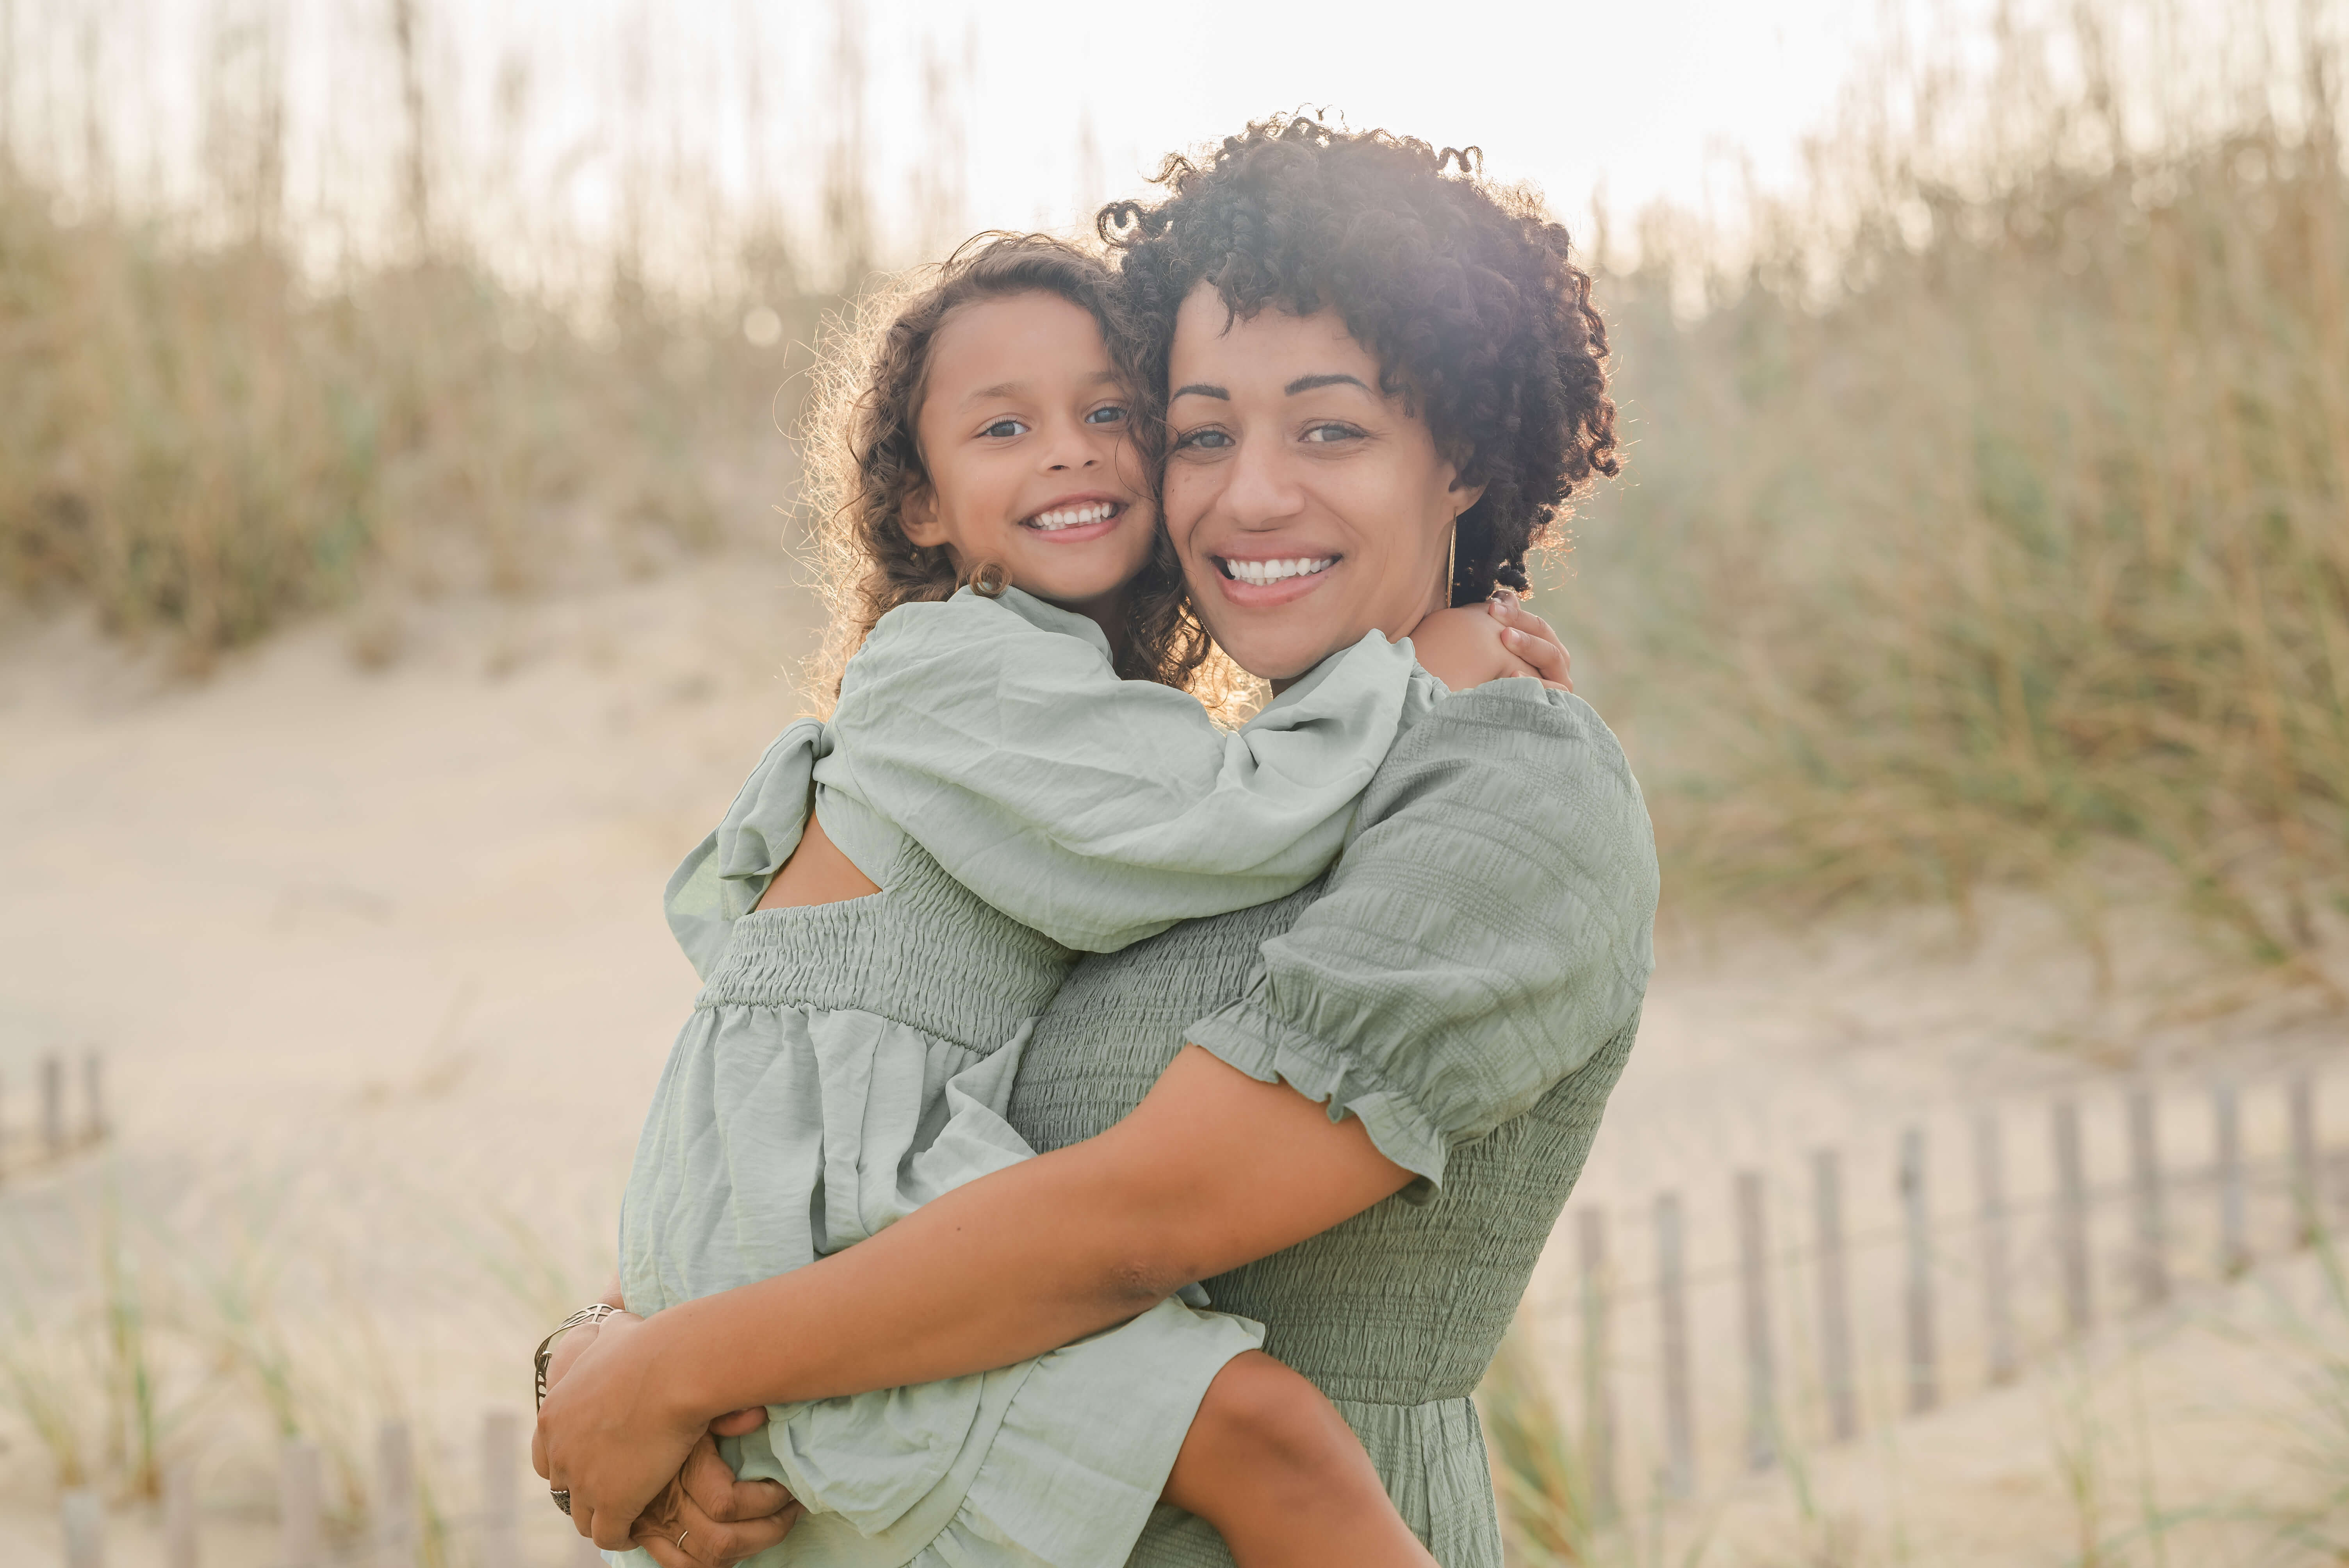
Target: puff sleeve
x=1487, y=929
x=721, y=881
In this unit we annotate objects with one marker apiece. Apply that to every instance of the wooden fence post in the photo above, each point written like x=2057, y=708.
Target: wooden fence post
x=180, y=1518
x=301, y=1506
x=93, y=1094
x=1835, y=1298
x=2145, y=1184
x=394, y=1503
x=1924, y=1368
x=1998, y=1305
x=84, y=1518
x=1753, y=1277
x=1998, y=1247
x=53, y=1107
x=2072, y=1219
x=2227, y=1129
x=2308, y=1212
x=1597, y=1394
x=1671, y=1307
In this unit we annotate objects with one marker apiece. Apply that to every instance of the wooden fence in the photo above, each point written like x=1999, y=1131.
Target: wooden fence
x=1802, y=1329
x=2009, y=1274
x=401, y=1534
x=48, y=1133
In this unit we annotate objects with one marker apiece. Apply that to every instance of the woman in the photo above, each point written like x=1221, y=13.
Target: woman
x=1357, y=1112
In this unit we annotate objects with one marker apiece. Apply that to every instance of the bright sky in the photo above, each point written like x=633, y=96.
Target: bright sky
x=1646, y=98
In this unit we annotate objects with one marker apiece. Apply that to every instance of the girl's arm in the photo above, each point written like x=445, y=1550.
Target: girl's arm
x=1094, y=809
x=1212, y=1169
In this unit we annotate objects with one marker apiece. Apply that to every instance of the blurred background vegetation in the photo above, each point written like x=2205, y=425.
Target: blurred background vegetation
x=1984, y=519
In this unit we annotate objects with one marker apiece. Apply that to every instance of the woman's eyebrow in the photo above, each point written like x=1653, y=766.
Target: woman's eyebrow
x=1335, y=378
x=1201, y=389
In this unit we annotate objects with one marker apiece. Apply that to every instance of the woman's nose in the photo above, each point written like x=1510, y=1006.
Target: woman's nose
x=1258, y=489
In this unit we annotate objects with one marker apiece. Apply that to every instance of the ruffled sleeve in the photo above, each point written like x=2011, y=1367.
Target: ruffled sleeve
x=724, y=877
x=995, y=734
x=1488, y=929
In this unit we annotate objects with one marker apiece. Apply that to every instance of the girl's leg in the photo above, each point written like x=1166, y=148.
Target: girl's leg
x=1270, y=1463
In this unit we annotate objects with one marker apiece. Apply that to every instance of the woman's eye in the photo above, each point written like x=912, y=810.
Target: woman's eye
x=1005, y=428
x=1199, y=439
x=1110, y=415
x=1325, y=435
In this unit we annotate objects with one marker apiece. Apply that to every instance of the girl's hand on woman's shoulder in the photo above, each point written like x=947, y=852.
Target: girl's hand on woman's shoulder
x=1473, y=643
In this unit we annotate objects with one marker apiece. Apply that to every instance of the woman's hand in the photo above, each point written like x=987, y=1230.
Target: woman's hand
x=607, y=1434
x=1530, y=639
x=707, y=1518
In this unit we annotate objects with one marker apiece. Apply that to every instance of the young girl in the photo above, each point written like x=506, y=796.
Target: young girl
x=989, y=798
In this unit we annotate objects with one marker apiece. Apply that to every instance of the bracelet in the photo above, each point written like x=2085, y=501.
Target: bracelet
x=544, y=1353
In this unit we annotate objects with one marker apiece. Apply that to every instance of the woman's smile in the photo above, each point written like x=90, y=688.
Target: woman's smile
x=1261, y=582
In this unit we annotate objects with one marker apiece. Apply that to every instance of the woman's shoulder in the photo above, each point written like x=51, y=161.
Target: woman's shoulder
x=1516, y=743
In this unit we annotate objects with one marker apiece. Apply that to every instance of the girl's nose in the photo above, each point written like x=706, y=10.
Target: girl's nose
x=1069, y=449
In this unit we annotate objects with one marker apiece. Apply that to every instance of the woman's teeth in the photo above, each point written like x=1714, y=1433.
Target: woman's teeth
x=1260, y=572
x=1074, y=516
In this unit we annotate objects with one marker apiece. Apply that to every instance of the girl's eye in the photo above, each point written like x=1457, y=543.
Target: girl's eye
x=1005, y=428
x=1209, y=438
x=1327, y=435
x=1108, y=414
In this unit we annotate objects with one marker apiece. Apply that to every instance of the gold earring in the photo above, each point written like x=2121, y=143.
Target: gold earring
x=1452, y=563
x=990, y=580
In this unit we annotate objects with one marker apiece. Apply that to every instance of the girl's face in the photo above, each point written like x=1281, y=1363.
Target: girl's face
x=1027, y=437
x=1307, y=507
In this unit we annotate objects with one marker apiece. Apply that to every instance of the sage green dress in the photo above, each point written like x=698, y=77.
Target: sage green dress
x=1016, y=803
x=1467, y=980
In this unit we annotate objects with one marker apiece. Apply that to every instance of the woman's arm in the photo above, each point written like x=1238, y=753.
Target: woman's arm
x=1485, y=933
x=1212, y=1169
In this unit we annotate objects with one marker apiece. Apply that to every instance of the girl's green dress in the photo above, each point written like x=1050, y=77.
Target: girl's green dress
x=1016, y=804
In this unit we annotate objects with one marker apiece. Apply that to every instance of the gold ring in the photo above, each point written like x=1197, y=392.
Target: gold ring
x=681, y=1539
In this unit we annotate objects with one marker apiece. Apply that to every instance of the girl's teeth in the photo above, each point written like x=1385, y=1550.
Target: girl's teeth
x=1074, y=516
x=1260, y=572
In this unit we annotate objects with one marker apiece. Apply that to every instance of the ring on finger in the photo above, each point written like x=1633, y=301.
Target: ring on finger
x=680, y=1538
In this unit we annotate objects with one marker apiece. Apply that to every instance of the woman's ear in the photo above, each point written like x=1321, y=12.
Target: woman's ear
x=1463, y=496
x=919, y=517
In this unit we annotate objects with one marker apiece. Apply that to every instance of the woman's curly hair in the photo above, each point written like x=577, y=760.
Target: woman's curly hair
x=1463, y=290
x=863, y=459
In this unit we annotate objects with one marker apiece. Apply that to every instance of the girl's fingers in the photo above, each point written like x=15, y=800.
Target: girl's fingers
x=737, y=1423
x=710, y=1544
x=1531, y=638
x=710, y=1483
x=1544, y=659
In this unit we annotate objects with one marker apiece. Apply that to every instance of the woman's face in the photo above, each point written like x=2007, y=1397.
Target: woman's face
x=1307, y=507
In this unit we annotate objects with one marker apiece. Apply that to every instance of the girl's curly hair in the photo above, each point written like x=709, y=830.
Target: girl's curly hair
x=1463, y=290
x=864, y=461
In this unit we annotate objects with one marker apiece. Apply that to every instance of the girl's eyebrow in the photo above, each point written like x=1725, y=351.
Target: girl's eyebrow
x=1333, y=378
x=1013, y=389
x=1201, y=389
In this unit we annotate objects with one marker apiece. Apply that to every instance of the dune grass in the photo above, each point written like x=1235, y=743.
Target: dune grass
x=201, y=442
x=1993, y=508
